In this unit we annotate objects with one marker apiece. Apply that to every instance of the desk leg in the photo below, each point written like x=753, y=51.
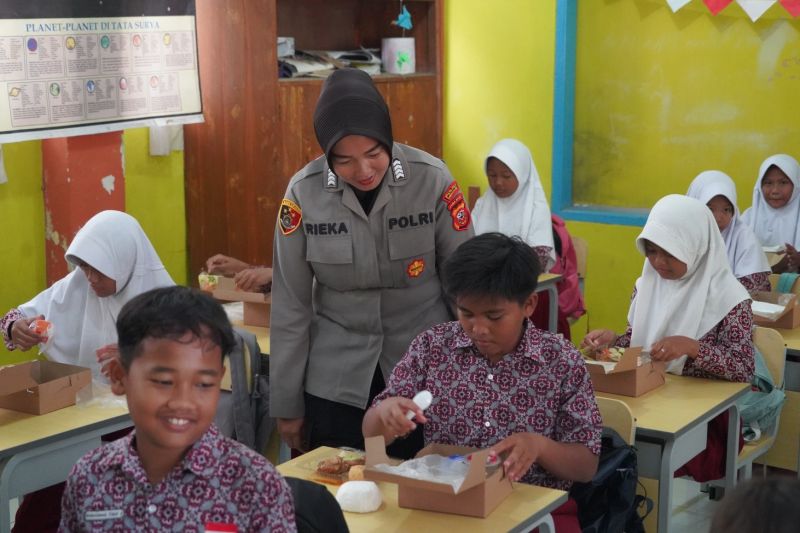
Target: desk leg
x=545, y=525
x=733, y=448
x=552, y=325
x=665, y=488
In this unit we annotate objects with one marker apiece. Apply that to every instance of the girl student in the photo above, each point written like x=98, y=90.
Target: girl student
x=745, y=255
x=689, y=310
x=776, y=208
x=516, y=205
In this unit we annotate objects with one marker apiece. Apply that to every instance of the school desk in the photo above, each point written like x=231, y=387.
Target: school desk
x=547, y=282
x=671, y=428
x=39, y=451
x=526, y=508
x=785, y=452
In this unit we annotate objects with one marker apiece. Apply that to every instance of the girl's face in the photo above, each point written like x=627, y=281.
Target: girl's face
x=501, y=179
x=722, y=210
x=776, y=187
x=667, y=266
x=101, y=284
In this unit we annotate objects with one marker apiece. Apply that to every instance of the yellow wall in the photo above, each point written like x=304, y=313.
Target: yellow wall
x=153, y=194
x=499, y=83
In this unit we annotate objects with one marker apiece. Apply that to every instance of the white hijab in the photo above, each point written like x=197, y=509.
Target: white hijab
x=526, y=212
x=694, y=304
x=113, y=243
x=745, y=255
x=776, y=226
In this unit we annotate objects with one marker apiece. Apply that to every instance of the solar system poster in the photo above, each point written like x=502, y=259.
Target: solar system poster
x=68, y=65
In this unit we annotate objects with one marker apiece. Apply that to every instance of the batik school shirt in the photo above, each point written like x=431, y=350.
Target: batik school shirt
x=726, y=352
x=219, y=485
x=542, y=387
x=758, y=281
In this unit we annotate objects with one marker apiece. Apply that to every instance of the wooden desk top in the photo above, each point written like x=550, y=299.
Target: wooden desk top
x=674, y=407
x=20, y=429
x=525, y=502
x=548, y=278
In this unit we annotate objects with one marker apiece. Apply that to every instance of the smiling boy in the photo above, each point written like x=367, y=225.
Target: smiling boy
x=175, y=472
x=497, y=381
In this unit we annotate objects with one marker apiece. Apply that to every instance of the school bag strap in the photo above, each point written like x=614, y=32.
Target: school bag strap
x=786, y=282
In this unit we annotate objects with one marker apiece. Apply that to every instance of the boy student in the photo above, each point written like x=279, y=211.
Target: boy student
x=497, y=380
x=175, y=472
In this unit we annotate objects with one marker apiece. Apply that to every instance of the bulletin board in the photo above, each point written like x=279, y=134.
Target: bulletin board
x=67, y=65
x=662, y=96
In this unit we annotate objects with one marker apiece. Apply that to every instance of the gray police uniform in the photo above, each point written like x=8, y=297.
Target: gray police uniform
x=352, y=290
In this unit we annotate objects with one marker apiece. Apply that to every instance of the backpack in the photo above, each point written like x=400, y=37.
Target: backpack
x=760, y=408
x=608, y=503
x=315, y=508
x=243, y=411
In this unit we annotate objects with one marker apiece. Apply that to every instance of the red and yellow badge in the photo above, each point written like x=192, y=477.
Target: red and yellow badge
x=289, y=216
x=451, y=195
x=459, y=212
x=415, y=268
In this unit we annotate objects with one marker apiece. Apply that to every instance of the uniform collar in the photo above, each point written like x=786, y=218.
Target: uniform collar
x=396, y=175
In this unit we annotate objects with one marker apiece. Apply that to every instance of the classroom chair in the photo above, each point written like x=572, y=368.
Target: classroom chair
x=619, y=417
x=771, y=345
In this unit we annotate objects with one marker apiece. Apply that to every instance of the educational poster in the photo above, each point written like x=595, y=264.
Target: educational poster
x=58, y=71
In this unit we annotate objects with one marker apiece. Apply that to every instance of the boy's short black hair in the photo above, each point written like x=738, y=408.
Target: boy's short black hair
x=170, y=313
x=492, y=264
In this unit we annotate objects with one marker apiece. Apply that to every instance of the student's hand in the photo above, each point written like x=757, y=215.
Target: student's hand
x=792, y=258
x=22, y=336
x=524, y=450
x=105, y=355
x=253, y=279
x=599, y=338
x=392, y=414
x=224, y=265
x=291, y=431
x=670, y=348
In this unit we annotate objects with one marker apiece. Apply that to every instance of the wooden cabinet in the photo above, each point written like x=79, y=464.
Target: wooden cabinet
x=258, y=130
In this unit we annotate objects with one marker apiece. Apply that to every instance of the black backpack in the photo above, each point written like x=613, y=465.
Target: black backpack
x=609, y=503
x=315, y=508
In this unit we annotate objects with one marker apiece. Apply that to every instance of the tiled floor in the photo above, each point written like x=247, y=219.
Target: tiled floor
x=692, y=510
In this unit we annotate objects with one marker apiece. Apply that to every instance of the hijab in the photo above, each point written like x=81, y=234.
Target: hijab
x=694, y=304
x=745, y=255
x=114, y=244
x=776, y=226
x=525, y=213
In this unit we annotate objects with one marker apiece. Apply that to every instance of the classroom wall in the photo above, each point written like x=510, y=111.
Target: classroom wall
x=499, y=83
x=154, y=194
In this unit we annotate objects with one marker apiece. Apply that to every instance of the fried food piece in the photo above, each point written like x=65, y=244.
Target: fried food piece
x=333, y=465
x=356, y=473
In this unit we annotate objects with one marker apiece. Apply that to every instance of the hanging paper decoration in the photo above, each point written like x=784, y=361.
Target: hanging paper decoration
x=403, y=19
x=755, y=8
x=715, y=6
x=792, y=6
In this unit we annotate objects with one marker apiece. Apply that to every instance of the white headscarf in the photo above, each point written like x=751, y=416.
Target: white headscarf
x=113, y=243
x=745, y=255
x=694, y=304
x=526, y=212
x=776, y=226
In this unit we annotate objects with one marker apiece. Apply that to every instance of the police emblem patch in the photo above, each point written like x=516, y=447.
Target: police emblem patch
x=289, y=216
x=457, y=206
x=415, y=268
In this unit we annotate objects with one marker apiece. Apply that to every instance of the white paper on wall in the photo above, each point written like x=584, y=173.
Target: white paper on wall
x=3, y=175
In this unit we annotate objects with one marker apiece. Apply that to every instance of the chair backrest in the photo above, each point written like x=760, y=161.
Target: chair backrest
x=772, y=346
x=618, y=416
x=581, y=251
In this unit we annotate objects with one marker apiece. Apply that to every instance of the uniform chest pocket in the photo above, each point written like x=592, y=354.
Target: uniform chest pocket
x=329, y=250
x=411, y=242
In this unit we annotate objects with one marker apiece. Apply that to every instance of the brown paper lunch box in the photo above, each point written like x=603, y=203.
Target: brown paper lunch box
x=788, y=319
x=39, y=387
x=256, y=304
x=478, y=496
x=626, y=378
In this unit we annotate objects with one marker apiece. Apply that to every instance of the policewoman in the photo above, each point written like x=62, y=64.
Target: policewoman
x=361, y=234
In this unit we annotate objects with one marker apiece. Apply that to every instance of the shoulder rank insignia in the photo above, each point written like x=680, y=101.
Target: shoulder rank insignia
x=332, y=180
x=289, y=216
x=397, y=170
x=454, y=199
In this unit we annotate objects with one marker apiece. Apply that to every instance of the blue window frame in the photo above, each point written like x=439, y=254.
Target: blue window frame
x=563, y=128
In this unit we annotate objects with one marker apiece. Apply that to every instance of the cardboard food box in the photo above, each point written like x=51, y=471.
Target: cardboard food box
x=626, y=378
x=38, y=387
x=789, y=318
x=256, y=304
x=478, y=496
